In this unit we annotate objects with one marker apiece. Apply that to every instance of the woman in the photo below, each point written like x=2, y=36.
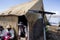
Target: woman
x=22, y=31
x=8, y=33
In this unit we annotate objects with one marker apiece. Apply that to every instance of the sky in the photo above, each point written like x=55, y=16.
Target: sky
x=53, y=6
x=49, y=5
x=5, y=4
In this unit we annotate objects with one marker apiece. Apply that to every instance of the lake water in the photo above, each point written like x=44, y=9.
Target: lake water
x=54, y=20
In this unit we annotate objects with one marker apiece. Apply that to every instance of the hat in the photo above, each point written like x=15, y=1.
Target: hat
x=20, y=23
x=1, y=26
x=8, y=26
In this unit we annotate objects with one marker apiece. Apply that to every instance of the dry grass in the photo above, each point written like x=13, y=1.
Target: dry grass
x=54, y=33
x=53, y=28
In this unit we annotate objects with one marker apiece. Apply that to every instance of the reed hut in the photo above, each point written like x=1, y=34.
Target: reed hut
x=13, y=14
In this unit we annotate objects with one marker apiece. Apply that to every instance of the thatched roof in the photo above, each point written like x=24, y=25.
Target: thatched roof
x=23, y=8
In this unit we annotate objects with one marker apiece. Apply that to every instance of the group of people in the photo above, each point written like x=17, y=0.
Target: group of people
x=6, y=33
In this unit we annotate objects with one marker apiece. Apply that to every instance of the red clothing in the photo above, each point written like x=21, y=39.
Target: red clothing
x=7, y=37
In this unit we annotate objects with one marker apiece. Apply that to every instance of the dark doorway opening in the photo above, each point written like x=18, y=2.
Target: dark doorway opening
x=22, y=19
x=22, y=27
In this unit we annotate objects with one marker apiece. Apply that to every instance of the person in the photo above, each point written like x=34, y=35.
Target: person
x=1, y=30
x=22, y=30
x=8, y=32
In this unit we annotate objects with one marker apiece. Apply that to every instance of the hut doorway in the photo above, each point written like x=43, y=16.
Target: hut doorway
x=22, y=19
x=22, y=26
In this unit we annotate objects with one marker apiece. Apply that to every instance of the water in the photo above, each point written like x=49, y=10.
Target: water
x=54, y=20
